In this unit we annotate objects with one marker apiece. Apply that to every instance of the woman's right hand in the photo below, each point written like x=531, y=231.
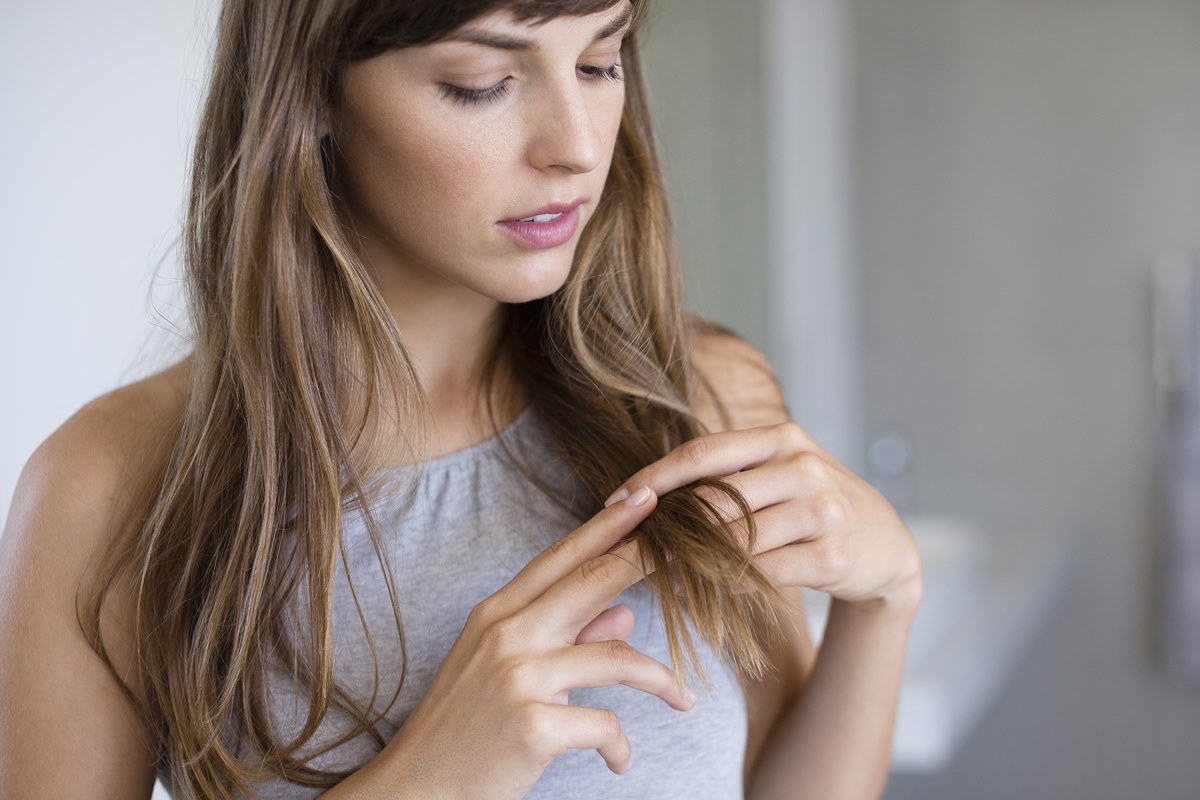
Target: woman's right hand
x=496, y=714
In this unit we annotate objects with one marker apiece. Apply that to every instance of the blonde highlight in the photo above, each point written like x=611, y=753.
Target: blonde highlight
x=296, y=358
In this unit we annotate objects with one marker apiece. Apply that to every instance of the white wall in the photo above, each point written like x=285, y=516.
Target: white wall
x=99, y=103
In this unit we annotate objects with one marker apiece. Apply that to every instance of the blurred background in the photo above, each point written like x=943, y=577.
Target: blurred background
x=941, y=219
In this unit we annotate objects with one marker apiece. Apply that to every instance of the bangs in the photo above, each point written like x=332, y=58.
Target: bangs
x=376, y=26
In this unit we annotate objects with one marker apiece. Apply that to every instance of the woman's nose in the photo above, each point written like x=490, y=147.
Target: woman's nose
x=563, y=132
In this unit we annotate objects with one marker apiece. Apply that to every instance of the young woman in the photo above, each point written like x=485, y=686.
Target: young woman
x=446, y=454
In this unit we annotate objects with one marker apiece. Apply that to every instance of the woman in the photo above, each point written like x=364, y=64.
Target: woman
x=442, y=412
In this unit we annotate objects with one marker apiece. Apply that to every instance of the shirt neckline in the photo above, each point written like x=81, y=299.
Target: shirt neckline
x=472, y=451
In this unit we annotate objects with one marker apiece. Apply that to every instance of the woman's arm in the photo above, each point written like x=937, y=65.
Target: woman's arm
x=67, y=728
x=821, y=725
x=834, y=739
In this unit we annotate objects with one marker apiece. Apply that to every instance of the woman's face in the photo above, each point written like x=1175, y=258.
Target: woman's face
x=445, y=147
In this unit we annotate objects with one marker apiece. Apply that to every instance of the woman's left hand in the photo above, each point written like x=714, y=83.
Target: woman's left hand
x=819, y=525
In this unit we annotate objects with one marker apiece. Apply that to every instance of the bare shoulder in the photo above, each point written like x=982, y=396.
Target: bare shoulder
x=73, y=496
x=91, y=465
x=79, y=484
x=124, y=420
x=736, y=385
x=94, y=457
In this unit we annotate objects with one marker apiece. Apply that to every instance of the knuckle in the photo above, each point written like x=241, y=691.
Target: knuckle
x=611, y=725
x=481, y=616
x=834, y=558
x=599, y=570
x=792, y=435
x=560, y=547
x=501, y=634
x=695, y=451
x=810, y=467
x=521, y=676
x=831, y=508
x=536, y=729
x=621, y=653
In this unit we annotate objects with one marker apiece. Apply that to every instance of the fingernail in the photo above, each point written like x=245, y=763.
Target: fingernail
x=617, y=496
x=640, y=496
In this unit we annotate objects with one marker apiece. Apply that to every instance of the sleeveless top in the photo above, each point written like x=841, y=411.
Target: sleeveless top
x=462, y=528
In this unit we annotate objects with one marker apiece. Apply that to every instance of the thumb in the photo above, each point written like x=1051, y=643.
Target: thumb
x=611, y=623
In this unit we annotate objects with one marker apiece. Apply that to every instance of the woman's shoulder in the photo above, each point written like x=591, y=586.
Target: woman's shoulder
x=74, y=496
x=112, y=438
x=81, y=485
x=736, y=387
x=89, y=470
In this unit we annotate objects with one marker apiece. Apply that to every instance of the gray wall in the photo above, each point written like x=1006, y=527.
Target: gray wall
x=705, y=72
x=1021, y=163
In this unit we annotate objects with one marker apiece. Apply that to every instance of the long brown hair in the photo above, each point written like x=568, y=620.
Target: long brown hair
x=294, y=349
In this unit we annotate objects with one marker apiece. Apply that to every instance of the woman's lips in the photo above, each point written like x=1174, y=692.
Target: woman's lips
x=543, y=235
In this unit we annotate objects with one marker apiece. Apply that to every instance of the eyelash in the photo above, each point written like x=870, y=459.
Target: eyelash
x=475, y=97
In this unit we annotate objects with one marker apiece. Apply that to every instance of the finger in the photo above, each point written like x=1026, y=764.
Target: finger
x=557, y=728
x=613, y=623
x=772, y=483
x=589, y=540
x=612, y=662
x=709, y=456
x=775, y=527
x=575, y=600
x=809, y=564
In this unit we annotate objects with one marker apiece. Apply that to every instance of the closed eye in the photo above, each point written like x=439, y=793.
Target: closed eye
x=475, y=97
x=612, y=73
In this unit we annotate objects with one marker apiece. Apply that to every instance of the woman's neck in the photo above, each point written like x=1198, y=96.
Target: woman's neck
x=452, y=336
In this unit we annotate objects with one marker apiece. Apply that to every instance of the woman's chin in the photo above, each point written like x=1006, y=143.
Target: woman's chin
x=533, y=280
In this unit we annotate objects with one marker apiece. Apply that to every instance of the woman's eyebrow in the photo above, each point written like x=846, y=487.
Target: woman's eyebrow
x=511, y=43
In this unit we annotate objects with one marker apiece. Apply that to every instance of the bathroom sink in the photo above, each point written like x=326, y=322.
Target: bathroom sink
x=982, y=607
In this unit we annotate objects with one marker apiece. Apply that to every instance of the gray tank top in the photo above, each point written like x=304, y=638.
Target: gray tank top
x=464, y=527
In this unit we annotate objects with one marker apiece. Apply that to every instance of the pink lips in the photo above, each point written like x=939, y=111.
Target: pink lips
x=544, y=235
